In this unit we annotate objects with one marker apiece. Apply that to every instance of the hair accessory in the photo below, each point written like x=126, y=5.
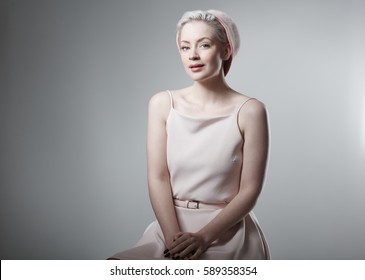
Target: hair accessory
x=231, y=32
x=232, y=35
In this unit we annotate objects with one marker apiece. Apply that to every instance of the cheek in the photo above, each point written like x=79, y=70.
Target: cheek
x=214, y=58
x=184, y=57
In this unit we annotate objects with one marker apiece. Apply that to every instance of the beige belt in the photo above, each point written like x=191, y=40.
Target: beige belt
x=194, y=204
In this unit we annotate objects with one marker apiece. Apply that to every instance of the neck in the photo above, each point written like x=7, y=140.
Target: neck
x=211, y=89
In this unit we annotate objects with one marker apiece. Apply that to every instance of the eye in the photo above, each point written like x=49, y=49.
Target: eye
x=184, y=48
x=205, y=45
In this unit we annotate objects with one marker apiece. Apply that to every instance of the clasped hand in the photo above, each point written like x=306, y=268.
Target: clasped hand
x=186, y=246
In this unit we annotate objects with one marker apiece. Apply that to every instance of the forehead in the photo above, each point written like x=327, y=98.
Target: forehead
x=194, y=30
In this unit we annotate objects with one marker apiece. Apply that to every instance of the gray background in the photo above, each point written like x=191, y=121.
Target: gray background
x=76, y=77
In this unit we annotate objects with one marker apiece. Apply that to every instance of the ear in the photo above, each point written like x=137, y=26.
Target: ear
x=227, y=52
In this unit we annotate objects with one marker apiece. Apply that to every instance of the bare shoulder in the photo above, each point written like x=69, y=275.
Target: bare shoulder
x=160, y=99
x=160, y=104
x=252, y=113
x=253, y=107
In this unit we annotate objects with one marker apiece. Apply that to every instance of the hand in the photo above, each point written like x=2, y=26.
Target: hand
x=186, y=245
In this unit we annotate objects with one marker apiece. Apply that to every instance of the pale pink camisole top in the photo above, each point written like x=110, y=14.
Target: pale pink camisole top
x=204, y=156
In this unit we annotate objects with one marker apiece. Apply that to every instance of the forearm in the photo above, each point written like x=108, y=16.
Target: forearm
x=162, y=204
x=191, y=245
x=233, y=213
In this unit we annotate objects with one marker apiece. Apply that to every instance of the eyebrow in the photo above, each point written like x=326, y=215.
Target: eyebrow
x=201, y=39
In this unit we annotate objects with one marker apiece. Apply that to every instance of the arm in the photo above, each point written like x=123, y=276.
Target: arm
x=158, y=176
x=254, y=126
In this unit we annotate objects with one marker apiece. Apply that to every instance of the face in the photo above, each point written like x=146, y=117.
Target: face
x=201, y=53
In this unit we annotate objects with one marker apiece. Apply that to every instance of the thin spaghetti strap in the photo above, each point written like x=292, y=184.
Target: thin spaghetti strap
x=238, y=112
x=171, y=99
x=243, y=103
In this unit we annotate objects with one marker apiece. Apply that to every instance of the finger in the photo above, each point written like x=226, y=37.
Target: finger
x=177, y=236
x=189, y=251
x=181, y=237
x=185, y=247
x=196, y=254
x=179, y=240
x=179, y=248
x=167, y=253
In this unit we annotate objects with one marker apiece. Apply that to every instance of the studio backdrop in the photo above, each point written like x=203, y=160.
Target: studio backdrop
x=75, y=81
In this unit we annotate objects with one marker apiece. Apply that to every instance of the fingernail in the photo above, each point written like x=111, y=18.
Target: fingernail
x=166, y=251
x=167, y=255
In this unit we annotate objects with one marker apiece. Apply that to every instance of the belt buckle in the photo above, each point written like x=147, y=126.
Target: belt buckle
x=192, y=204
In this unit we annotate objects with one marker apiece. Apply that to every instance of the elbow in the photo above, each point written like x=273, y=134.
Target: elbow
x=158, y=181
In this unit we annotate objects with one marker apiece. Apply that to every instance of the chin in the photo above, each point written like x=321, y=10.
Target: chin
x=200, y=76
x=203, y=77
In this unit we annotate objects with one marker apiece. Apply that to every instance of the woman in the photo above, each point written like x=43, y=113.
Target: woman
x=207, y=151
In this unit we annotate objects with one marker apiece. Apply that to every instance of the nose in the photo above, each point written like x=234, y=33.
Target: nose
x=193, y=54
x=194, y=57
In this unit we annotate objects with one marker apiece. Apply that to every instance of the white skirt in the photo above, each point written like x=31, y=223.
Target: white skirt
x=245, y=240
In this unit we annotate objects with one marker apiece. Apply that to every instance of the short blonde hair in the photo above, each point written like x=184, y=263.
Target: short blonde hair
x=208, y=18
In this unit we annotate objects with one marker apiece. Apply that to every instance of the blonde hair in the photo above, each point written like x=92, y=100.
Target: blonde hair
x=208, y=18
